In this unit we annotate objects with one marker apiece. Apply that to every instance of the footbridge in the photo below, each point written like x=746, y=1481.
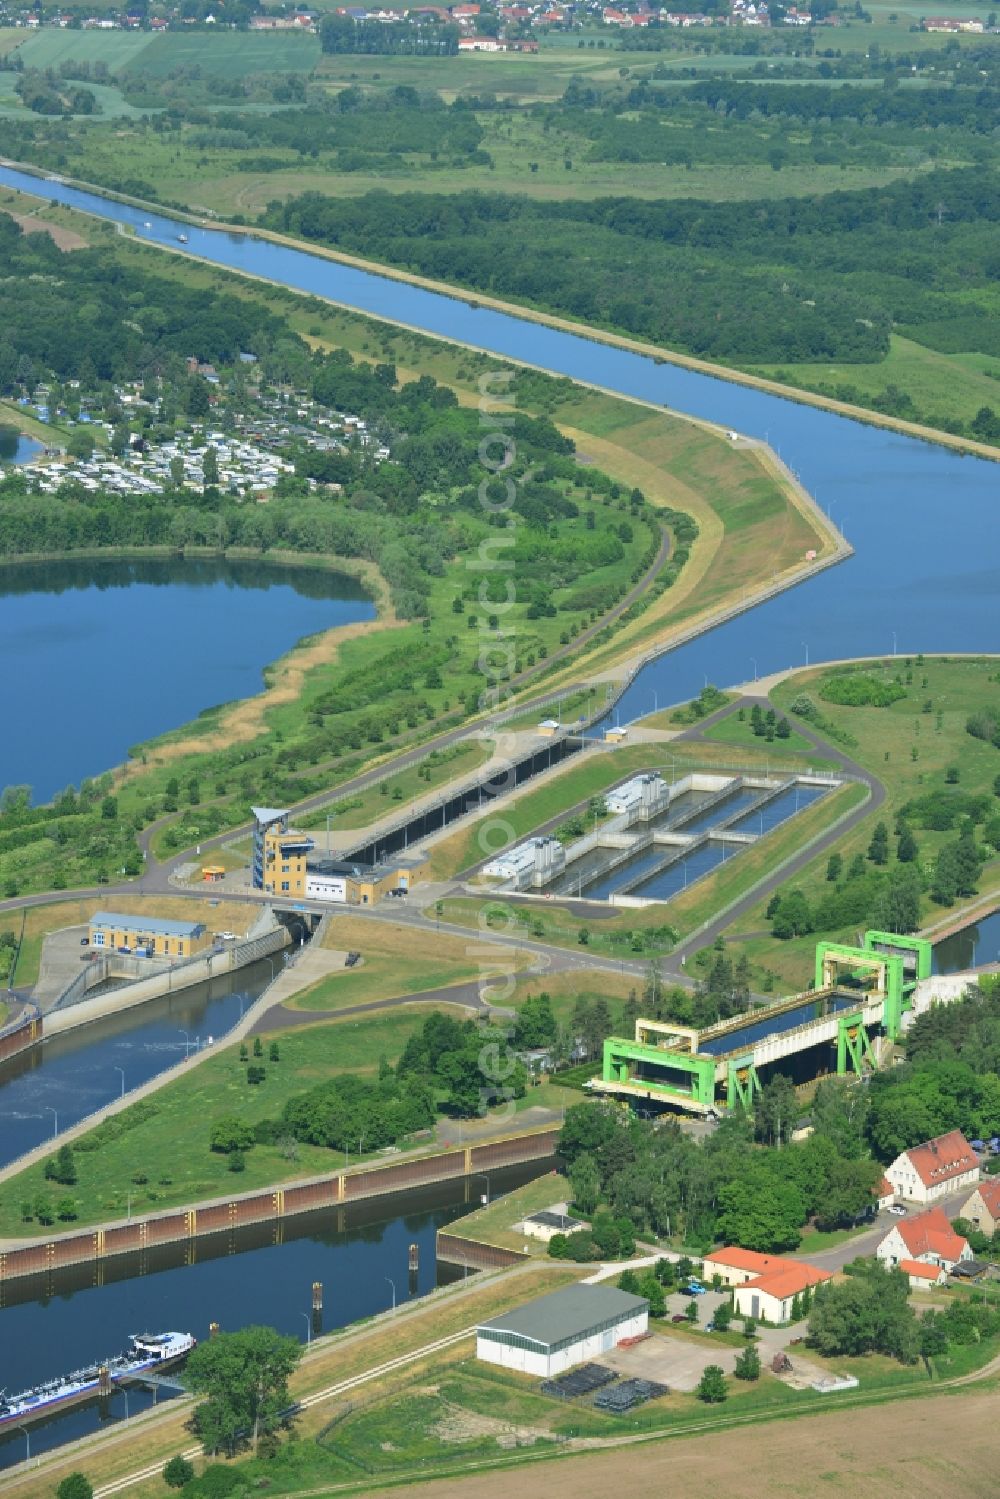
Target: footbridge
x=847, y=1022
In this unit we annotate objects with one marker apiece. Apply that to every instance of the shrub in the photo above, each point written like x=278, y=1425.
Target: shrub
x=177, y=1472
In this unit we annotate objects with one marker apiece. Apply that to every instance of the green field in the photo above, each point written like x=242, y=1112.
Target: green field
x=949, y=385
x=118, y=50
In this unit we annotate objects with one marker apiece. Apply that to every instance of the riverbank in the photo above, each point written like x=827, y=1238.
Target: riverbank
x=551, y=320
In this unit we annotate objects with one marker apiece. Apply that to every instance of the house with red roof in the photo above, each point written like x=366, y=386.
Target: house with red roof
x=928, y=1237
x=923, y=1277
x=884, y=1194
x=771, y=1296
x=982, y=1209
x=736, y=1266
x=939, y=1167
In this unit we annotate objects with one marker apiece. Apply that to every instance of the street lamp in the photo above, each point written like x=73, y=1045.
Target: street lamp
x=187, y=1041
x=122, y=1071
x=805, y=646
x=392, y=1283
x=308, y=1328
x=482, y=1176
x=893, y=642
x=27, y=1438
x=754, y=660
x=55, y=1118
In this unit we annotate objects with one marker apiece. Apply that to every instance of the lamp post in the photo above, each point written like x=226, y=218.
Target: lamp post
x=27, y=1438
x=393, y=1284
x=805, y=645
x=482, y=1176
x=55, y=1118
x=754, y=660
x=308, y=1328
x=187, y=1041
x=122, y=1071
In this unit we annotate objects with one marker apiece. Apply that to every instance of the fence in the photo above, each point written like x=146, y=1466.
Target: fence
x=341, y=1187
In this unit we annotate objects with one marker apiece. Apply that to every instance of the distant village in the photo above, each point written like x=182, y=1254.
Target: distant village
x=484, y=28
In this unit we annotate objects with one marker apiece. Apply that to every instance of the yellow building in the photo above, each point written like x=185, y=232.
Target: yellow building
x=148, y=936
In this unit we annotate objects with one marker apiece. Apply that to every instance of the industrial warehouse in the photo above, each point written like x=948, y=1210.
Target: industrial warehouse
x=547, y=1336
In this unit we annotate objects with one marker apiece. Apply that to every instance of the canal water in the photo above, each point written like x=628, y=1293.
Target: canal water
x=111, y=652
x=972, y=947
x=63, y=1080
x=51, y=1325
x=921, y=518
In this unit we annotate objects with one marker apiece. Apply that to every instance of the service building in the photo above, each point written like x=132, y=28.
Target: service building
x=553, y=1333
x=147, y=936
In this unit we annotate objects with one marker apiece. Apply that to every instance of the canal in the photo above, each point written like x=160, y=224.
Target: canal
x=52, y=1324
x=60, y=1082
x=921, y=517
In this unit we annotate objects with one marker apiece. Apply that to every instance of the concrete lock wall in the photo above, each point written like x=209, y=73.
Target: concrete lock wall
x=281, y=1201
x=208, y=965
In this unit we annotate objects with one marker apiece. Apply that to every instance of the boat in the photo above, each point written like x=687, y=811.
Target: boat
x=182, y=239
x=142, y=1353
x=147, y=224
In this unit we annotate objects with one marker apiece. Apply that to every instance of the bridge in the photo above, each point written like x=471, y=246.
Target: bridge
x=847, y=1022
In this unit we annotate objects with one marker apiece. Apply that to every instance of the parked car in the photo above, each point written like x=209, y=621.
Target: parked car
x=678, y=1318
x=84, y=941
x=694, y=1289
x=897, y=1211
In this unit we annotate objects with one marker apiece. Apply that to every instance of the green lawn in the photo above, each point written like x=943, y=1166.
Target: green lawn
x=164, y=1140
x=733, y=730
x=228, y=54
x=54, y=45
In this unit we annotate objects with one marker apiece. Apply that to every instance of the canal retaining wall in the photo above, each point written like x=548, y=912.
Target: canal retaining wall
x=20, y=1033
x=189, y=1223
x=474, y=1254
x=74, y=1007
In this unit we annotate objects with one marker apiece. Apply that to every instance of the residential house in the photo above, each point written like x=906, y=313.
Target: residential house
x=939, y=1167
x=922, y=1276
x=929, y=1238
x=771, y=1296
x=982, y=1209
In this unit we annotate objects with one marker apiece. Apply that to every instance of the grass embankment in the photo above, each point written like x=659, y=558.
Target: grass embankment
x=402, y=960
x=911, y=746
x=395, y=792
x=39, y=921
x=158, y=1150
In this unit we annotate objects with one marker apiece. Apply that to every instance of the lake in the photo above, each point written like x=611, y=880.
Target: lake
x=111, y=652
x=16, y=448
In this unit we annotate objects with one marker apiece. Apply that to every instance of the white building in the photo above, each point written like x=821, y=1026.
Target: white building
x=641, y=796
x=535, y=862
x=549, y=1335
x=771, y=1295
x=928, y=1172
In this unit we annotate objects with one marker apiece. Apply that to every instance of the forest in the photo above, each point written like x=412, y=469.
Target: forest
x=795, y=279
